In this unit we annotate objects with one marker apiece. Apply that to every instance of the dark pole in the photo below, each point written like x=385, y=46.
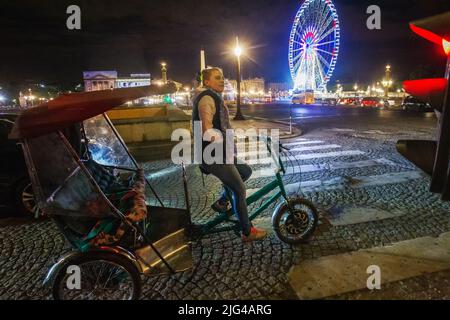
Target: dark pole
x=440, y=178
x=239, y=115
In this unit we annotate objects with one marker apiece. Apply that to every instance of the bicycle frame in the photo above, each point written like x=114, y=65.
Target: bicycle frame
x=211, y=226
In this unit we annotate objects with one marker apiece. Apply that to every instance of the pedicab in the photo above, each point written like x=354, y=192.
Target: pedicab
x=88, y=183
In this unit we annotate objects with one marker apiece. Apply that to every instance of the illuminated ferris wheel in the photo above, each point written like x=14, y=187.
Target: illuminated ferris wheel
x=314, y=45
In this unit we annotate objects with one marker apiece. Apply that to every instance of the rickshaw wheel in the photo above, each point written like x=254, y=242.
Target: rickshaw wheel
x=295, y=223
x=102, y=276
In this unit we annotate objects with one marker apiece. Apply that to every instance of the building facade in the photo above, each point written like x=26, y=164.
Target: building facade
x=105, y=80
x=278, y=87
x=250, y=86
x=99, y=80
x=134, y=80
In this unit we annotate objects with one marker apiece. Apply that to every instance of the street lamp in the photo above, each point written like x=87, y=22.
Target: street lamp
x=164, y=72
x=238, y=53
x=387, y=82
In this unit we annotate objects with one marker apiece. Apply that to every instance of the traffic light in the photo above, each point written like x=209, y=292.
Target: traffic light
x=433, y=156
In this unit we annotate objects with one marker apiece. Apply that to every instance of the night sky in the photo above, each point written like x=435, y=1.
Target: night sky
x=134, y=36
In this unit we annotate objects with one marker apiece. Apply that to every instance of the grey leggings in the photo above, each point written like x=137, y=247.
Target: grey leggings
x=233, y=176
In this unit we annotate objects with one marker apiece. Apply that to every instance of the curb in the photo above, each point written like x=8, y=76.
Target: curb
x=299, y=131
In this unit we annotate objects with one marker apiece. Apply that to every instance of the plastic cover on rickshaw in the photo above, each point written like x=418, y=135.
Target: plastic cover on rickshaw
x=84, y=182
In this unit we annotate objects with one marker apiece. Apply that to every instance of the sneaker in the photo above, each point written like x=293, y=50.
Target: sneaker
x=255, y=235
x=220, y=206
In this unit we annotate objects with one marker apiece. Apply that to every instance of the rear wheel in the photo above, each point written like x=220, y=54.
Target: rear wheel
x=295, y=222
x=101, y=276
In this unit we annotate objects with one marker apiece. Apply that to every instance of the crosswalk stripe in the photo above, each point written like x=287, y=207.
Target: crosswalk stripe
x=309, y=156
x=356, y=182
x=301, y=143
x=269, y=172
x=264, y=147
x=314, y=148
x=245, y=143
x=265, y=154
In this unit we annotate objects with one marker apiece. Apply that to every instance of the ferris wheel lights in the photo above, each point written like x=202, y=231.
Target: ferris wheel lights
x=314, y=45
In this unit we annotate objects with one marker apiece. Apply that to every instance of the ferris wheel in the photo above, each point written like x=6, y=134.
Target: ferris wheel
x=314, y=45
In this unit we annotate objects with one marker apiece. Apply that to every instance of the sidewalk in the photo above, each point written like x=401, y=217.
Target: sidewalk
x=159, y=150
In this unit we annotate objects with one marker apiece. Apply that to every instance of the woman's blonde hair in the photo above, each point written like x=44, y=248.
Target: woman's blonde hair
x=206, y=73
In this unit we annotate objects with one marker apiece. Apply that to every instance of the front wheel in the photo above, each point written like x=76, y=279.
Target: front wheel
x=97, y=275
x=294, y=223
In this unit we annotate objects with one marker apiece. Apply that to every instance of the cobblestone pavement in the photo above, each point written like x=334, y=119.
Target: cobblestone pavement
x=224, y=267
x=434, y=286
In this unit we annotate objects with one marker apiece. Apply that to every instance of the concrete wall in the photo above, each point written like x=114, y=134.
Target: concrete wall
x=141, y=124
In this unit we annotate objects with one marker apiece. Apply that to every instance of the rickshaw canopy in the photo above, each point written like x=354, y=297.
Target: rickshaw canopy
x=68, y=109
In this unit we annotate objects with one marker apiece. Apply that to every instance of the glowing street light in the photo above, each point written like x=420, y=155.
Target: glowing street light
x=238, y=53
x=237, y=50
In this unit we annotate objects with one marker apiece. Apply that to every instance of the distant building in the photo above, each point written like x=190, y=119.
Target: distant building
x=278, y=86
x=250, y=86
x=134, y=80
x=99, y=80
x=104, y=80
x=254, y=86
x=229, y=92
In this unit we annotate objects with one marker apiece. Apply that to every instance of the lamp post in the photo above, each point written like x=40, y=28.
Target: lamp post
x=387, y=82
x=164, y=72
x=238, y=53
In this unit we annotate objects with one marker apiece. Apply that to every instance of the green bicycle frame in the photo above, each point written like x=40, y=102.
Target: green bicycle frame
x=210, y=227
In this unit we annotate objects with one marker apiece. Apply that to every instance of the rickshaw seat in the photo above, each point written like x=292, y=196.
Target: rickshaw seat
x=131, y=203
x=126, y=196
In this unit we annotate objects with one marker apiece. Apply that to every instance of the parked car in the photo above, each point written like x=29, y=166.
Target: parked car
x=412, y=103
x=349, y=101
x=15, y=186
x=329, y=101
x=374, y=102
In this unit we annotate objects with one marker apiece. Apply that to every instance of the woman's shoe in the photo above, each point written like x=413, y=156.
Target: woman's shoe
x=255, y=235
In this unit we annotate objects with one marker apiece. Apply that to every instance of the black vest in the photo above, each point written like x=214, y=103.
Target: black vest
x=216, y=118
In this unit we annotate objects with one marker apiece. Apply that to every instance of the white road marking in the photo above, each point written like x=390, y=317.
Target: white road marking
x=356, y=182
x=269, y=172
x=263, y=153
x=310, y=156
